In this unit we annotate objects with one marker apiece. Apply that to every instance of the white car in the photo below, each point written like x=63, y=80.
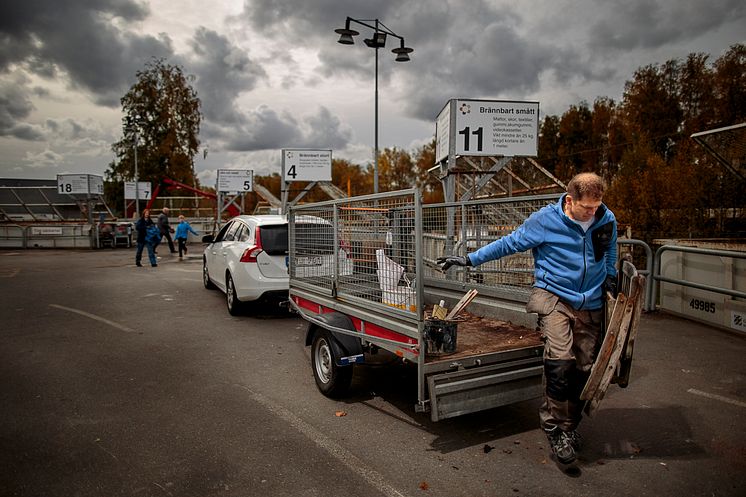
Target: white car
x=248, y=260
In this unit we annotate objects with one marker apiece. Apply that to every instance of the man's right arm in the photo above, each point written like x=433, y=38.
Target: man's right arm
x=527, y=236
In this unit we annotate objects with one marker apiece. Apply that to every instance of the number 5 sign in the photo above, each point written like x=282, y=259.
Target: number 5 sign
x=235, y=180
x=487, y=128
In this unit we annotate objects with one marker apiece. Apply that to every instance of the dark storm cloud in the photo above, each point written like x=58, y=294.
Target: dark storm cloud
x=474, y=49
x=81, y=39
x=266, y=129
x=652, y=23
x=297, y=20
x=15, y=106
x=223, y=72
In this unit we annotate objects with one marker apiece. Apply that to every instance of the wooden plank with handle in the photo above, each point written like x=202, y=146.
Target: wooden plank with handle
x=637, y=293
x=610, y=367
x=607, y=348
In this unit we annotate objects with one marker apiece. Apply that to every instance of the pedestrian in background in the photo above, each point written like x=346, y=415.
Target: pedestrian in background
x=141, y=227
x=182, y=233
x=166, y=229
x=573, y=243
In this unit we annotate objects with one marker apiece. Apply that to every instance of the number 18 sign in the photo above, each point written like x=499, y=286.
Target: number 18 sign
x=487, y=128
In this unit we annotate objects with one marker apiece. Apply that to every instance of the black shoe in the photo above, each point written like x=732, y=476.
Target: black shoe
x=154, y=265
x=575, y=440
x=138, y=264
x=561, y=445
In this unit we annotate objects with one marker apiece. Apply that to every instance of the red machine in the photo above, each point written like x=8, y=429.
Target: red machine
x=170, y=184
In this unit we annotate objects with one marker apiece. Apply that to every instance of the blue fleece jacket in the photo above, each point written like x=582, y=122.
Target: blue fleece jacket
x=183, y=229
x=567, y=262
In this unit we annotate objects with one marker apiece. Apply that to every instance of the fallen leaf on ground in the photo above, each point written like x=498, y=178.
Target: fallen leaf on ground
x=487, y=448
x=507, y=451
x=424, y=485
x=339, y=414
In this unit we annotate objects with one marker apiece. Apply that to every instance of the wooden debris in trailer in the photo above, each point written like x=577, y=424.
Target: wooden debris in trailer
x=461, y=305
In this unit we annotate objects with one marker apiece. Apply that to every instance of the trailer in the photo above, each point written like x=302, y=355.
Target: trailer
x=382, y=280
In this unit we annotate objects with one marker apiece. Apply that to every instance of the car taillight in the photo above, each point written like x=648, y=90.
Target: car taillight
x=251, y=253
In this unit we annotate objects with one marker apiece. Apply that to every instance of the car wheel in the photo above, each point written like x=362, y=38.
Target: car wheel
x=206, y=276
x=332, y=380
x=231, y=299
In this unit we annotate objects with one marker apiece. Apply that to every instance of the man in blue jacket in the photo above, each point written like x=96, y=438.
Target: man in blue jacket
x=573, y=243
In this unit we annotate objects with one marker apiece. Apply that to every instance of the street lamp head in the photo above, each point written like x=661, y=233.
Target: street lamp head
x=345, y=35
x=402, y=53
x=377, y=41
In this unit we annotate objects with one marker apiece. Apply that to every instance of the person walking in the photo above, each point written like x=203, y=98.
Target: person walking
x=573, y=243
x=182, y=233
x=141, y=227
x=166, y=229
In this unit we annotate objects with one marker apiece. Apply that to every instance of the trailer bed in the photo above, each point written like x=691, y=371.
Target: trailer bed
x=479, y=335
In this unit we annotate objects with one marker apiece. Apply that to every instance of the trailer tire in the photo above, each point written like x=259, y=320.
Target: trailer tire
x=332, y=380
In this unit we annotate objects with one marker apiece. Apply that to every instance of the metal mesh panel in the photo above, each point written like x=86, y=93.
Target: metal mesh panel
x=374, y=244
x=461, y=228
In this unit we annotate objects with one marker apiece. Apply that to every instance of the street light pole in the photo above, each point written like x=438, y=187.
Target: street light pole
x=378, y=40
x=137, y=184
x=375, y=163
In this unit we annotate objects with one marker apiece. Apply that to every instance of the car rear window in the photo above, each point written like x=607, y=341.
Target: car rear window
x=314, y=238
x=274, y=239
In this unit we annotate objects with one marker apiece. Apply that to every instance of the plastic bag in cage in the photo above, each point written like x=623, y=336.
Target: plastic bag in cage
x=389, y=274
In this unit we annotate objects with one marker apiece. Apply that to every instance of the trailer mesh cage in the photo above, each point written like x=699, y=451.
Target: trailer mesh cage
x=382, y=248
x=361, y=248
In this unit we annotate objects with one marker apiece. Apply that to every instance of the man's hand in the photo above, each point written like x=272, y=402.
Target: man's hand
x=610, y=285
x=453, y=260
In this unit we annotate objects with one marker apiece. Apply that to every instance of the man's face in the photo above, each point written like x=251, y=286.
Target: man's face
x=582, y=209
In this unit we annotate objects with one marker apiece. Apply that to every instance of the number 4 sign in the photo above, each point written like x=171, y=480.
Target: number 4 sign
x=306, y=165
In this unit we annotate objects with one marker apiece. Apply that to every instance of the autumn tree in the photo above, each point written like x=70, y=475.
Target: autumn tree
x=162, y=119
x=427, y=180
x=395, y=170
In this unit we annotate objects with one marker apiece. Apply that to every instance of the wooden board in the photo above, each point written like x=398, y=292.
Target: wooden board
x=607, y=349
x=611, y=365
x=625, y=362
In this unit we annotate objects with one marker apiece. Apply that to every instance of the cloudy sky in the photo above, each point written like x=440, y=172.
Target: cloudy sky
x=271, y=75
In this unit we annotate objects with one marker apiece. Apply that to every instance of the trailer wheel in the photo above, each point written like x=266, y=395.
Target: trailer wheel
x=331, y=379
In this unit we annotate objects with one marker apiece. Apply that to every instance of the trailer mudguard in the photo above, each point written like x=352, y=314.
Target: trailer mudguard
x=347, y=349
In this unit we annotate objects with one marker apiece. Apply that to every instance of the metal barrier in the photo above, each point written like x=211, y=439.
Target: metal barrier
x=693, y=250
x=718, y=264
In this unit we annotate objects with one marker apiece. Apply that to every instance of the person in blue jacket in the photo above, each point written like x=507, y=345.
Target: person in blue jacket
x=182, y=232
x=143, y=240
x=573, y=243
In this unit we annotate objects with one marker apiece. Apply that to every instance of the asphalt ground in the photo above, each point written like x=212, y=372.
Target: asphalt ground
x=125, y=381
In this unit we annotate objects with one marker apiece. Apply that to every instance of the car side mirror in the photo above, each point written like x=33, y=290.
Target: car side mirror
x=208, y=239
